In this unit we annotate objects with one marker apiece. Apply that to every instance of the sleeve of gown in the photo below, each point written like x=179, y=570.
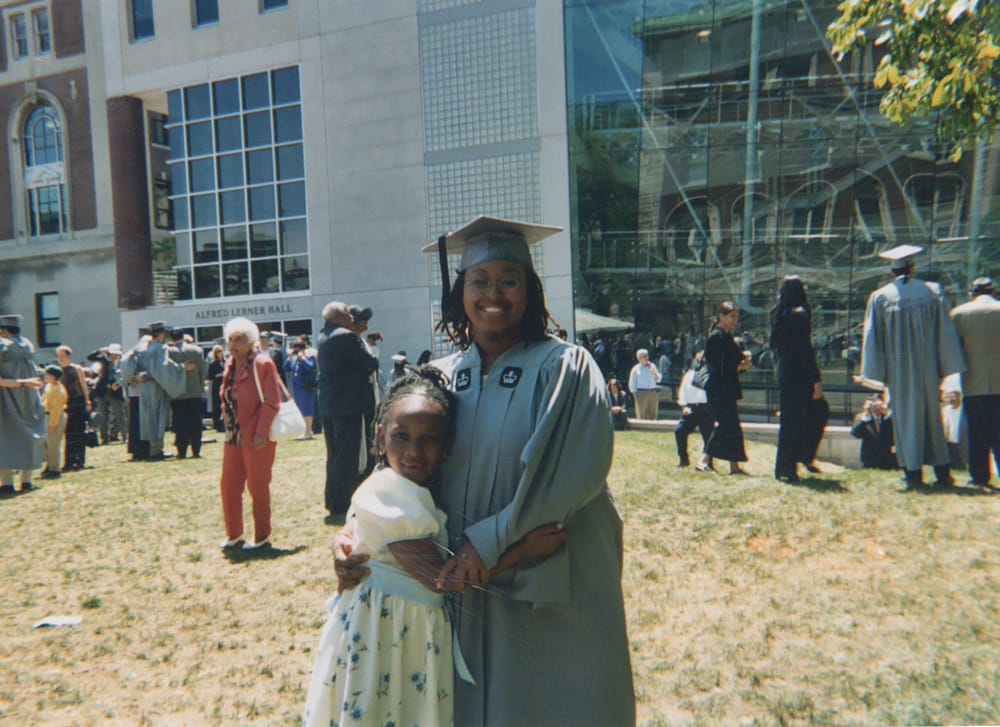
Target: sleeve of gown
x=805, y=354
x=951, y=358
x=872, y=360
x=565, y=462
x=388, y=508
x=128, y=367
x=168, y=373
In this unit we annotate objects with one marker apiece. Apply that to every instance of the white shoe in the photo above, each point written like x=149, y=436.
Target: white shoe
x=234, y=543
x=265, y=543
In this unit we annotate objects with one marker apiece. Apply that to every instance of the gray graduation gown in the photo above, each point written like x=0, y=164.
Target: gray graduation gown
x=167, y=381
x=910, y=343
x=22, y=417
x=546, y=643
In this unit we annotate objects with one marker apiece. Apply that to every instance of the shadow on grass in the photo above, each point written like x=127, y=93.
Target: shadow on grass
x=960, y=491
x=238, y=555
x=817, y=484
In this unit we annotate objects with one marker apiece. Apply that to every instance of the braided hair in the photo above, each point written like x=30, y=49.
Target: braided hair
x=456, y=326
x=428, y=381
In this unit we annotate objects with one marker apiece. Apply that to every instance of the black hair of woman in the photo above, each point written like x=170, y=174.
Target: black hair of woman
x=455, y=323
x=791, y=297
x=428, y=381
x=723, y=309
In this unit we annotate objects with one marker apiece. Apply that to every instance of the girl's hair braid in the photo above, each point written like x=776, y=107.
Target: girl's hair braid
x=426, y=380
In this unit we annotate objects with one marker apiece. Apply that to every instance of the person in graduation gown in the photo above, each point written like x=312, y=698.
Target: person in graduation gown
x=546, y=643
x=798, y=378
x=22, y=417
x=910, y=343
x=161, y=379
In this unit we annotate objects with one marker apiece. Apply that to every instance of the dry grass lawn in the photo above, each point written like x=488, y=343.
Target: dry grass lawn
x=839, y=601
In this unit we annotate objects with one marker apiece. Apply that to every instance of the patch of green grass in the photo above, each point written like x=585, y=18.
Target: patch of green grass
x=841, y=601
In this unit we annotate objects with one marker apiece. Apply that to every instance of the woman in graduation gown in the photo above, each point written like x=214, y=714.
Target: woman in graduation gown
x=546, y=642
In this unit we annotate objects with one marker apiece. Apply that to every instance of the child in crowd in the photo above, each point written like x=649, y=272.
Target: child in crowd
x=54, y=399
x=386, y=655
x=695, y=414
x=873, y=427
x=952, y=420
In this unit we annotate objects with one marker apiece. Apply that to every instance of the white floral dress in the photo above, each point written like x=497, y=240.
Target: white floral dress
x=385, y=659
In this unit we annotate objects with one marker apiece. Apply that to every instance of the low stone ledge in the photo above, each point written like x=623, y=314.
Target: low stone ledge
x=837, y=447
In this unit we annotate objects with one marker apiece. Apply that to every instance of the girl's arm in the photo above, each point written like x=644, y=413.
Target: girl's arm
x=420, y=558
x=537, y=545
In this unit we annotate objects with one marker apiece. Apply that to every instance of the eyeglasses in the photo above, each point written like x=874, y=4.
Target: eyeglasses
x=480, y=285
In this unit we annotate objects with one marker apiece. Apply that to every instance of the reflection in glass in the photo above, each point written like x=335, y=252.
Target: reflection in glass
x=260, y=166
x=206, y=281
x=234, y=242
x=261, y=203
x=175, y=111
x=177, y=147
x=203, y=210
x=258, y=129
x=232, y=207
x=180, y=212
x=178, y=179
x=227, y=96
x=293, y=237
x=676, y=207
x=285, y=85
x=295, y=273
x=196, y=102
x=236, y=278
x=206, y=246
x=263, y=241
x=199, y=139
x=291, y=199
x=202, y=175
x=185, y=290
x=290, y=165
x=265, y=276
x=182, y=248
x=227, y=134
x=255, y=94
x=230, y=171
x=288, y=124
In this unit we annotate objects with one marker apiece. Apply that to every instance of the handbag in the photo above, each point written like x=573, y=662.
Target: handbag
x=289, y=423
x=700, y=378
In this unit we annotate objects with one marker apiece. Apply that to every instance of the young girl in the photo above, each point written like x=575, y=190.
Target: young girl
x=385, y=655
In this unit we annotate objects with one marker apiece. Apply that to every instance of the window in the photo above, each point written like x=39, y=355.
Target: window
x=157, y=130
x=19, y=36
x=30, y=31
x=266, y=5
x=206, y=12
x=44, y=172
x=47, y=315
x=43, y=34
x=142, y=20
x=238, y=193
x=161, y=204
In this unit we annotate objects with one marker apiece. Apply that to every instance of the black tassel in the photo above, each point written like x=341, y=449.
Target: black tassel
x=445, y=280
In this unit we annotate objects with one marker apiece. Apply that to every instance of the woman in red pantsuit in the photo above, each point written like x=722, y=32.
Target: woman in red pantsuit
x=248, y=453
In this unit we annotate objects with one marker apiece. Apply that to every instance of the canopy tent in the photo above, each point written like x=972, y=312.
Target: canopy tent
x=588, y=322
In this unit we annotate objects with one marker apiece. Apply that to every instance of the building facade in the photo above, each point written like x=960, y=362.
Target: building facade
x=193, y=161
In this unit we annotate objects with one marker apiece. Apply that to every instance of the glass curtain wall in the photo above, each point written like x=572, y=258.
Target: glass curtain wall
x=716, y=147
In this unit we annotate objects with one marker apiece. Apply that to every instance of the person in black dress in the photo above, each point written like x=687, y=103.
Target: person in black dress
x=725, y=363
x=216, y=367
x=800, y=389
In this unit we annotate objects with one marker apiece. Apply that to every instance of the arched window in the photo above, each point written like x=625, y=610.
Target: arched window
x=44, y=172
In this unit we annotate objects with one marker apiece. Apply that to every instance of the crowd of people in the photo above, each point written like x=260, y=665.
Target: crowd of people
x=482, y=478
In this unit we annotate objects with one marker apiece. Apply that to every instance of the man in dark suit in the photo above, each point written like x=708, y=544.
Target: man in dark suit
x=344, y=396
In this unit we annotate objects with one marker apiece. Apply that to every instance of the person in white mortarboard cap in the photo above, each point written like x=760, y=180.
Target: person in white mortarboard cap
x=910, y=343
x=533, y=446
x=22, y=417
